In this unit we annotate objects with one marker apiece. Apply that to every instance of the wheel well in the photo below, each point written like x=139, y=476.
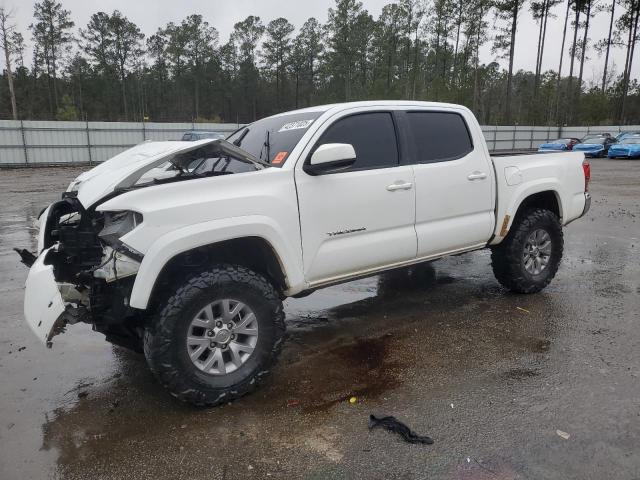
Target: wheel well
x=547, y=200
x=251, y=252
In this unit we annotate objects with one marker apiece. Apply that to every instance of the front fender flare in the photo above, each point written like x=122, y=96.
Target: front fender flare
x=206, y=233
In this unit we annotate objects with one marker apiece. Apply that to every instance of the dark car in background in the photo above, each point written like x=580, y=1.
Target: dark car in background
x=560, y=144
x=593, y=134
x=193, y=135
x=595, y=145
x=629, y=147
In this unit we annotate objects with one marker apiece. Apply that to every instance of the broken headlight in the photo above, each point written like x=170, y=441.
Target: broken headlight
x=118, y=224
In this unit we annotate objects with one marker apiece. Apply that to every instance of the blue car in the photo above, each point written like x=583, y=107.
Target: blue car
x=629, y=147
x=561, y=144
x=622, y=135
x=595, y=145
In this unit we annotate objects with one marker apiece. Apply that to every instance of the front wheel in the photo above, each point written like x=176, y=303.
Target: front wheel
x=217, y=336
x=529, y=257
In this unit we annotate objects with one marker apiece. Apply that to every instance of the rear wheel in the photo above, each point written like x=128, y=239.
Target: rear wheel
x=529, y=257
x=217, y=336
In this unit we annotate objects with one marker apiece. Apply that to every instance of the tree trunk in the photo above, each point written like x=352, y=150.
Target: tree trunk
x=415, y=66
x=570, y=94
x=311, y=83
x=606, y=57
x=407, y=85
x=634, y=38
x=437, y=49
x=7, y=57
x=278, y=85
x=455, y=53
x=124, y=94
x=582, y=55
x=564, y=37
x=544, y=36
x=537, y=74
x=196, y=94
x=475, y=76
x=514, y=25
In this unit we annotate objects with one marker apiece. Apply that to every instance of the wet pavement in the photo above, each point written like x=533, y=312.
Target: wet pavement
x=490, y=376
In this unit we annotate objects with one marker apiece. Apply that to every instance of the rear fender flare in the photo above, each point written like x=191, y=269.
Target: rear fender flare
x=518, y=194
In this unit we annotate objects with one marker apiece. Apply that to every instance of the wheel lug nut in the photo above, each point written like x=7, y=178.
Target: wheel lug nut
x=213, y=344
x=233, y=336
x=224, y=347
x=210, y=333
x=218, y=324
x=229, y=325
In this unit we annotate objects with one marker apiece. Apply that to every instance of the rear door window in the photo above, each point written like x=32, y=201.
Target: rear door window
x=439, y=136
x=373, y=138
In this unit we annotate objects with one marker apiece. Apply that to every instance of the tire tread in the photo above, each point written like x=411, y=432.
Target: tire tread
x=505, y=257
x=158, y=336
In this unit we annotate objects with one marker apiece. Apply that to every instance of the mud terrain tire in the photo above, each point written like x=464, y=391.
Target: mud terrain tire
x=508, y=257
x=165, y=338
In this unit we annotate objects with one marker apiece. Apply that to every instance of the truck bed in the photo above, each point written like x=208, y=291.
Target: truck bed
x=523, y=174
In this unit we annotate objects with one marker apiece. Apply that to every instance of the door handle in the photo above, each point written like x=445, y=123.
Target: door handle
x=399, y=186
x=476, y=176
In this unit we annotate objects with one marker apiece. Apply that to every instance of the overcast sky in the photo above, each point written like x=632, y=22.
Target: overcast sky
x=222, y=14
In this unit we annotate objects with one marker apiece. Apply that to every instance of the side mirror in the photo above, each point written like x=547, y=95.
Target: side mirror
x=331, y=157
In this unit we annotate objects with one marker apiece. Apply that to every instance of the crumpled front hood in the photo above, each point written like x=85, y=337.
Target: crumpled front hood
x=126, y=168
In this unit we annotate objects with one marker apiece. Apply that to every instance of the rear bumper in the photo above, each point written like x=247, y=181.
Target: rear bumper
x=43, y=304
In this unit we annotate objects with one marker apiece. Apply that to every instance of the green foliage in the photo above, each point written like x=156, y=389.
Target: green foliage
x=67, y=110
x=416, y=49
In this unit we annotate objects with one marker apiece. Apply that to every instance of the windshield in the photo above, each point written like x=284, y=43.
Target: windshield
x=634, y=140
x=625, y=135
x=594, y=140
x=272, y=139
x=562, y=141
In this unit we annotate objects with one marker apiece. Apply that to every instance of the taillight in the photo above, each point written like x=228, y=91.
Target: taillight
x=586, y=168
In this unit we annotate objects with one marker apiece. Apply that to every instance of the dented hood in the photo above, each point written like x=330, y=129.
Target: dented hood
x=124, y=170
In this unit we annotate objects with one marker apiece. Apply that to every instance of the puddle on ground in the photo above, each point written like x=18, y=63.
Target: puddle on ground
x=361, y=369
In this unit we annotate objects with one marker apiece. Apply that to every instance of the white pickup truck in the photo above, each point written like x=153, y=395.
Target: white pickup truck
x=186, y=249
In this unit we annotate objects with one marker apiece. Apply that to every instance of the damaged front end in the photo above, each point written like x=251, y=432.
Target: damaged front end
x=83, y=273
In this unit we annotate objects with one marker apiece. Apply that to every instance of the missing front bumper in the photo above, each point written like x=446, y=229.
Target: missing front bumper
x=43, y=305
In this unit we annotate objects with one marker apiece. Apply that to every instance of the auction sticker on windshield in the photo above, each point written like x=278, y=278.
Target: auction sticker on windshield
x=295, y=125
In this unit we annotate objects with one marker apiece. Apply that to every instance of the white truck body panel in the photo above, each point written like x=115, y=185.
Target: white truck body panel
x=560, y=173
x=455, y=200
x=184, y=215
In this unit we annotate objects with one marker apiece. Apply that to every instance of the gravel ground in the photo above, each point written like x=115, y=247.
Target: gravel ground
x=491, y=376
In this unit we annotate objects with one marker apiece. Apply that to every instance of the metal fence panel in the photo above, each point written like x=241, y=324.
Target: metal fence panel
x=35, y=142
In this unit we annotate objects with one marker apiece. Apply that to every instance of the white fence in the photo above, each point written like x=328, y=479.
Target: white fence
x=55, y=143
x=29, y=143
x=530, y=138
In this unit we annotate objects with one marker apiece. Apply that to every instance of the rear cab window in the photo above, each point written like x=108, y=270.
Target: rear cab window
x=372, y=135
x=438, y=136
